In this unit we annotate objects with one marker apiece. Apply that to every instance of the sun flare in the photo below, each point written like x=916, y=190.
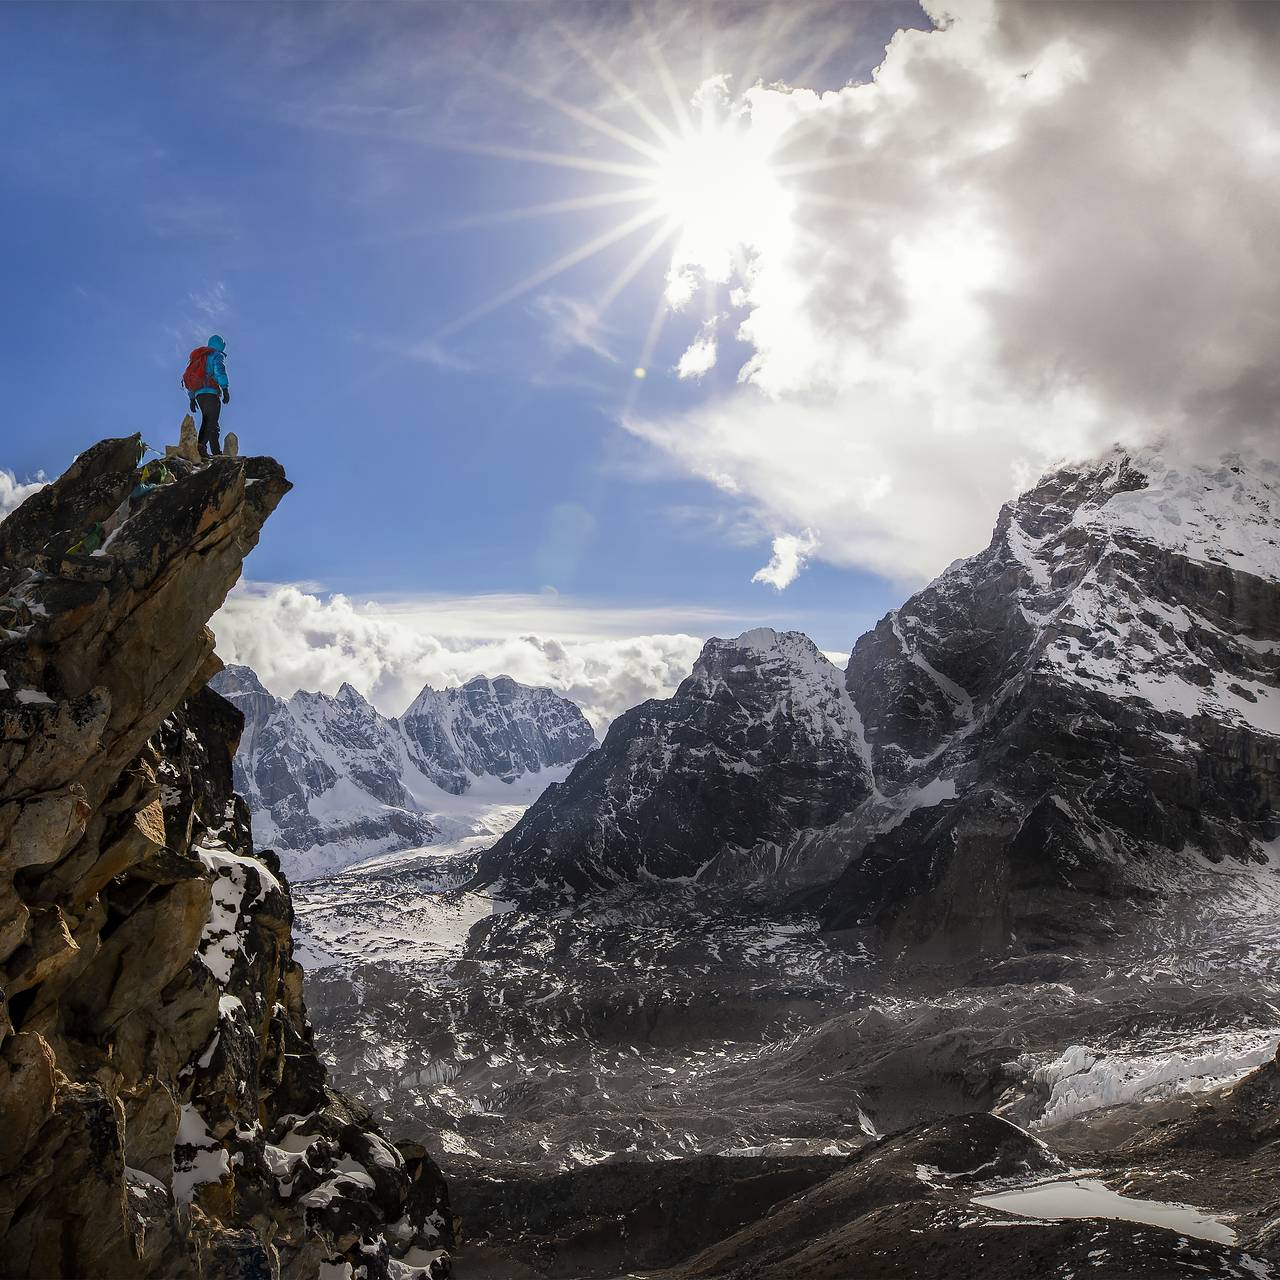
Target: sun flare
x=718, y=191
x=704, y=189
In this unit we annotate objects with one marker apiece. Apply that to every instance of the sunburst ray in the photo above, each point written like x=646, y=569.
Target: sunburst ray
x=559, y=159
x=684, y=122
x=659, y=318
x=635, y=266
x=553, y=269
x=660, y=130
x=580, y=114
x=571, y=204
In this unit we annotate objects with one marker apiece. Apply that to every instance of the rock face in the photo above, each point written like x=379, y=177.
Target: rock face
x=496, y=727
x=1031, y=748
x=760, y=741
x=329, y=779
x=1055, y=719
x=163, y=1109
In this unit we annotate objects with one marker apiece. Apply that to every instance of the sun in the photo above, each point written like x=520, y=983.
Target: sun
x=717, y=188
x=704, y=187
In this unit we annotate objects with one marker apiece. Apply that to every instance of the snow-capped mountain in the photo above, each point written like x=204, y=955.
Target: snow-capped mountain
x=759, y=741
x=1024, y=743
x=329, y=779
x=495, y=728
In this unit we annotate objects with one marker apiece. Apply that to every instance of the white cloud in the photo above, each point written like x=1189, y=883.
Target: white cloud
x=1043, y=228
x=700, y=357
x=606, y=660
x=14, y=492
x=790, y=553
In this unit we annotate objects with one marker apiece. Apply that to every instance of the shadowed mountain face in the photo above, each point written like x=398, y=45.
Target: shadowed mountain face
x=1027, y=752
x=330, y=780
x=760, y=741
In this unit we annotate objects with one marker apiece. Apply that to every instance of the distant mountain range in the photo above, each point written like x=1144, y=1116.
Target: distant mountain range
x=331, y=780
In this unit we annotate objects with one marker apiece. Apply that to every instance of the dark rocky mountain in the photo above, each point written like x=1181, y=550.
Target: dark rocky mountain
x=163, y=1110
x=1022, y=756
x=330, y=780
x=760, y=741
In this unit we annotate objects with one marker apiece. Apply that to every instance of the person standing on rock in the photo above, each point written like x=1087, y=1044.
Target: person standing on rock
x=206, y=384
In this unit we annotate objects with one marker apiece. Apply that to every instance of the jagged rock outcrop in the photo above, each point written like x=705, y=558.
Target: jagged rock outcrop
x=1028, y=751
x=329, y=779
x=163, y=1110
x=759, y=741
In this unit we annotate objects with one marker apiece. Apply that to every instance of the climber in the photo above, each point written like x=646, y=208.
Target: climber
x=206, y=381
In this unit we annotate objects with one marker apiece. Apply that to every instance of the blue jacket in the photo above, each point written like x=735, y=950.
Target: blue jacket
x=215, y=369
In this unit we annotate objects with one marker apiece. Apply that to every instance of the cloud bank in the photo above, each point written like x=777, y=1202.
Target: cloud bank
x=14, y=492
x=1041, y=229
x=295, y=639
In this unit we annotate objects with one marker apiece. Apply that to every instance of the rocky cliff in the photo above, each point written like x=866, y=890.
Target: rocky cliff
x=330, y=780
x=1047, y=740
x=163, y=1110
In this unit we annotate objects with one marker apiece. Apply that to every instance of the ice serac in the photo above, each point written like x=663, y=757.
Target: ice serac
x=163, y=1110
x=330, y=780
x=1046, y=745
x=760, y=740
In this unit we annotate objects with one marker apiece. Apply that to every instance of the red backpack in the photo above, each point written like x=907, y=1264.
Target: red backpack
x=195, y=377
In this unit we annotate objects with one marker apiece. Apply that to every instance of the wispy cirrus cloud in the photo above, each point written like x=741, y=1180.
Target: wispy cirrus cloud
x=575, y=325
x=212, y=303
x=418, y=350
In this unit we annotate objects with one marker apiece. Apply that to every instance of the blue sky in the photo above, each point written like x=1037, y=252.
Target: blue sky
x=902, y=282
x=275, y=173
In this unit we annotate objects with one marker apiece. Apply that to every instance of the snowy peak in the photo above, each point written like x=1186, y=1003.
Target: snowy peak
x=1095, y=691
x=760, y=737
x=1225, y=513
x=781, y=675
x=497, y=727
x=350, y=697
x=241, y=679
x=330, y=779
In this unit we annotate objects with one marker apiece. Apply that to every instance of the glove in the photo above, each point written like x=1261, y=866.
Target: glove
x=192, y=404
x=226, y=395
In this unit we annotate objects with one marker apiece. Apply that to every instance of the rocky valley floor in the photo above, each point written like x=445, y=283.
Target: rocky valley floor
x=618, y=1087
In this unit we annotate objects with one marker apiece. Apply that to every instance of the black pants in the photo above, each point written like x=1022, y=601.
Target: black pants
x=209, y=439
